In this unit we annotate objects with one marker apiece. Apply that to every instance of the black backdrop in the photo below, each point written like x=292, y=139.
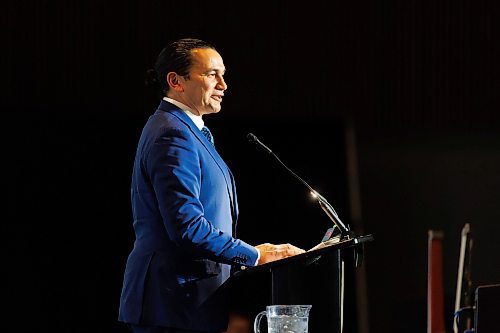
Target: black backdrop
x=417, y=81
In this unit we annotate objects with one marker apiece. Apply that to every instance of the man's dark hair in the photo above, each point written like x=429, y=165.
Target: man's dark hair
x=176, y=57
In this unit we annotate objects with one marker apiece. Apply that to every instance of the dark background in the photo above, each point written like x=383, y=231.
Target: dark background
x=389, y=109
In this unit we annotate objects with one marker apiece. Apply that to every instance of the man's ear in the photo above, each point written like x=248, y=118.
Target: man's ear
x=174, y=82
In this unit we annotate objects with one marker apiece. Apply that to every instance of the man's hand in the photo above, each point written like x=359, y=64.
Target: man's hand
x=271, y=252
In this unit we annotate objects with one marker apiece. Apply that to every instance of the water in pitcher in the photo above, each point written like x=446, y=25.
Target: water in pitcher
x=287, y=324
x=284, y=318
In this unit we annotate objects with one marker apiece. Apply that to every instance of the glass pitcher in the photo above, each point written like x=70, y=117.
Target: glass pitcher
x=284, y=319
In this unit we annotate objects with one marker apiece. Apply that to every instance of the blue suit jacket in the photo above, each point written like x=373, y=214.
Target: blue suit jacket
x=184, y=209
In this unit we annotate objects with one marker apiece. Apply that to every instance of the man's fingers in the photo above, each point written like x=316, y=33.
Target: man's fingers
x=285, y=249
x=271, y=252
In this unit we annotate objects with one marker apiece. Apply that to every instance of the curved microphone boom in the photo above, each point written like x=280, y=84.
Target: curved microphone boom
x=345, y=232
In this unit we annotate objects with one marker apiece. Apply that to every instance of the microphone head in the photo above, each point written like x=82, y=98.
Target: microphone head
x=252, y=138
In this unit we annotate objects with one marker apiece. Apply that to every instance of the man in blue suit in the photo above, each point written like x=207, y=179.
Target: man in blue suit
x=184, y=205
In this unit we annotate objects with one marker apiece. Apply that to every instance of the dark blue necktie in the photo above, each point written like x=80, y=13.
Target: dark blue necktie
x=206, y=132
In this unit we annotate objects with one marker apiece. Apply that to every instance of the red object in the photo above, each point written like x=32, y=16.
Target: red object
x=435, y=295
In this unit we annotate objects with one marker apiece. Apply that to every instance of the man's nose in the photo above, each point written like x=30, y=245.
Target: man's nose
x=221, y=84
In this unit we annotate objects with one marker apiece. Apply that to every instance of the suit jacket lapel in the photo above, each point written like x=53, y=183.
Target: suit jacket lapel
x=228, y=177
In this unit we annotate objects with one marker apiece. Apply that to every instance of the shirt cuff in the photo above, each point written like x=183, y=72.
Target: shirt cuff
x=258, y=256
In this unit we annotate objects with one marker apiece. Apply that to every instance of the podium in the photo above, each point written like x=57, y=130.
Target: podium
x=315, y=277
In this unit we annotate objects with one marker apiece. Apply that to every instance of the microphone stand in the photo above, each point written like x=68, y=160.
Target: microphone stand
x=345, y=232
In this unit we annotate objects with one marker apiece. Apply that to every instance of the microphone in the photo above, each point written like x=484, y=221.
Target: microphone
x=252, y=138
x=345, y=232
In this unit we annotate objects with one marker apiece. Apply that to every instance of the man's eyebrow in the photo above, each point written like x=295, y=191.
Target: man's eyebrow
x=223, y=71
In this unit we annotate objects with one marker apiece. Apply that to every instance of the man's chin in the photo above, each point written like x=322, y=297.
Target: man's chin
x=213, y=110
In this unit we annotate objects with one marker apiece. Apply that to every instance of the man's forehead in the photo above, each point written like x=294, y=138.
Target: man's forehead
x=207, y=59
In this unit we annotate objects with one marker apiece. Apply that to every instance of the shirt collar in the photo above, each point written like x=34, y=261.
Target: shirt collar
x=195, y=118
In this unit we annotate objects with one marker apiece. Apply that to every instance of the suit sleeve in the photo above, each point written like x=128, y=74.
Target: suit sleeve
x=174, y=168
